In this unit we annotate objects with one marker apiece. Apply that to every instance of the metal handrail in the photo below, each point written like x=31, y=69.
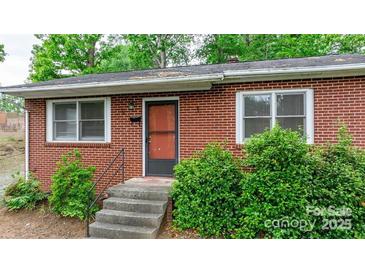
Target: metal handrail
x=91, y=202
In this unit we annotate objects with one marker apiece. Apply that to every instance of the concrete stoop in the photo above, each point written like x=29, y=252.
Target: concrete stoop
x=134, y=210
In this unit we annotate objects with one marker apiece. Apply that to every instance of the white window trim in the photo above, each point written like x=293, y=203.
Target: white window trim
x=107, y=119
x=309, y=110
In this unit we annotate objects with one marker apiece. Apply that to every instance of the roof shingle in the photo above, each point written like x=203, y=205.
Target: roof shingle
x=196, y=70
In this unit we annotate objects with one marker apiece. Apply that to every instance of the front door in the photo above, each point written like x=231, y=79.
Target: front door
x=161, y=138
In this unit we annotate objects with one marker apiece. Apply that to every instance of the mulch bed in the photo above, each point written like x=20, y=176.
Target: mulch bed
x=43, y=224
x=38, y=224
x=169, y=232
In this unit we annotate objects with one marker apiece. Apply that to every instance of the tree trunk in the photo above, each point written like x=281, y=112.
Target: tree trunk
x=161, y=61
x=91, y=55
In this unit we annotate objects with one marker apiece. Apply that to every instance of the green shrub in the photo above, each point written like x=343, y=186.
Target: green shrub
x=286, y=184
x=70, y=186
x=206, y=192
x=274, y=192
x=23, y=194
x=339, y=182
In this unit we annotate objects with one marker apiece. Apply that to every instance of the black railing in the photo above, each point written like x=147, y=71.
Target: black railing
x=91, y=201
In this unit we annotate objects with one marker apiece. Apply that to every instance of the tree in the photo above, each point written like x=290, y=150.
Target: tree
x=60, y=56
x=11, y=104
x=2, y=53
x=158, y=50
x=63, y=55
x=114, y=55
x=350, y=43
x=218, y=48
x=66, y=55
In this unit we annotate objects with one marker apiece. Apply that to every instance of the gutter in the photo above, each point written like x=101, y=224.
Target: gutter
x=294, y=71
x=172, y=80
x=225, y=76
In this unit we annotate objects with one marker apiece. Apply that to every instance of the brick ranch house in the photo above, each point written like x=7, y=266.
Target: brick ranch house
x=161, y=116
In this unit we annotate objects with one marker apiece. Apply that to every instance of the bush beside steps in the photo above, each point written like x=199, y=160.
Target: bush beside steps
x=275, y=191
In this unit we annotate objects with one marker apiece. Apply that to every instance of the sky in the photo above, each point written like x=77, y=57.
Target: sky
x=15, y=69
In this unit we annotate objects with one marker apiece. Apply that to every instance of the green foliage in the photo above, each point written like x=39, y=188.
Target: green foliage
x=339, y=182
x=276, y=187
x=158, y=50
x=115, y=59
x=290, y=182
x=206, y=192
x=217, y=48
x=286, y=183
x=2, y=53
x=23, y=194
x=70, y=186
x=10, y=103
x=64, y=55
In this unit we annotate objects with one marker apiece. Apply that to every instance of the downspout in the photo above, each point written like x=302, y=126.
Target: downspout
x=26, y=144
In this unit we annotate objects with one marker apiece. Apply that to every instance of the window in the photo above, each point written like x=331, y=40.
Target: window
x=85, y=120
x=257, y=114
x=258, y=111
x=92, y=123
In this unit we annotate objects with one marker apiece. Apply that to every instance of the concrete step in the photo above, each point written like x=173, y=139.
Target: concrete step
x=135, y=205
x=129, y=218
x=151, y=181
x=150, y=186
x=141, y=193
x=134, y=209
x=117, y=231
x=141, y=187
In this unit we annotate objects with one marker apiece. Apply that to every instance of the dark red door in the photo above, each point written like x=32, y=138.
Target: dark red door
x=161, y=138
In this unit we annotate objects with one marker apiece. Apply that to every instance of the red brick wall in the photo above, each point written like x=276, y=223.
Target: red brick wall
x=205, y=116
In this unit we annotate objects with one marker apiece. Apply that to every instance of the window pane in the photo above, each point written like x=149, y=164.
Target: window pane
x=92, y=130
x=64, y=130
x=257, y=105
x=294, y=123
x=256, y=125
x=290, y=104
x=92, y=110
x=65, y=111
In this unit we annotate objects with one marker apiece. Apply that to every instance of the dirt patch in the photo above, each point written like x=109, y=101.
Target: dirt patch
x=10, y=145
x=38, y=224
x=43, y=224
x=169, y=232
x=11, y=159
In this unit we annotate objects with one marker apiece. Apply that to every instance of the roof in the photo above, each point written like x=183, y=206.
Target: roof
x=192, y=77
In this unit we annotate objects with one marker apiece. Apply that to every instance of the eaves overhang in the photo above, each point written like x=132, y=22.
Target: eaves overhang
x=294, y=73
x=184, y=83
x=201, y=82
